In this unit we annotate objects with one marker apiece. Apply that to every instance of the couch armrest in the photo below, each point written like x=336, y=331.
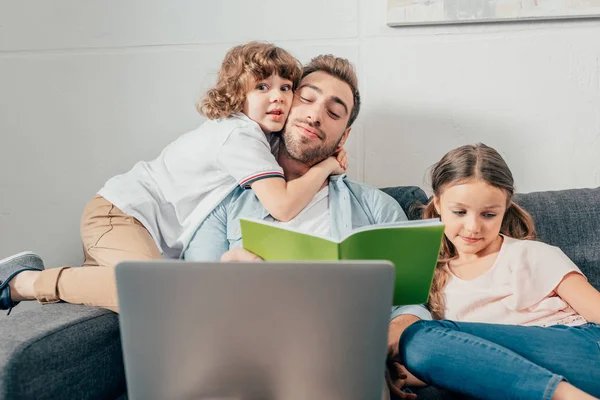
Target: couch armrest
x=61, y=351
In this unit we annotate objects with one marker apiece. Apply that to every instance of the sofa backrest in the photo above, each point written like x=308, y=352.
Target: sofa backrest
x=410, y=198
x=569, y=219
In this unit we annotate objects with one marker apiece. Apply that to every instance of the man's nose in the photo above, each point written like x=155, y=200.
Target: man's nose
x=315, y=115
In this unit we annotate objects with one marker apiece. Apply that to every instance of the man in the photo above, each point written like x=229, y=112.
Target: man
x=325, y=105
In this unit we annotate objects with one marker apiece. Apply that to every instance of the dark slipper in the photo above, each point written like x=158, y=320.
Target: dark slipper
x=11, y=266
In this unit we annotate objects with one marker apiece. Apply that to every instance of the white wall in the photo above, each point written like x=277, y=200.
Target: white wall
x=88, y=88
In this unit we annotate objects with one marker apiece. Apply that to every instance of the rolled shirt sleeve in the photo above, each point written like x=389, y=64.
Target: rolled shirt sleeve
x=418, y=310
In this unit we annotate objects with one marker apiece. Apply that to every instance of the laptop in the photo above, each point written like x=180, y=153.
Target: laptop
x=254, y=331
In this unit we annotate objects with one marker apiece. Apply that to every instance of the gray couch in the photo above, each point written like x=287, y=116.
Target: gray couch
x=64, y=351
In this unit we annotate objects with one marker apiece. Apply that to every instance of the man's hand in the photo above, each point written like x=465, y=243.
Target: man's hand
x=239, y=254
x=397, y=326
x=396, y=375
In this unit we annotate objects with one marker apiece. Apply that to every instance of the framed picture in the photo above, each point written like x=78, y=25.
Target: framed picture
x=428, y=12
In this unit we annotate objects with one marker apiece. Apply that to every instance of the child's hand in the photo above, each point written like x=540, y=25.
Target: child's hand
x=342, y=158
x=335, y=165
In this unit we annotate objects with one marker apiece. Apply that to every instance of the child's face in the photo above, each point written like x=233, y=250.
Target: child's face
x=268, y=102
x=473, y=213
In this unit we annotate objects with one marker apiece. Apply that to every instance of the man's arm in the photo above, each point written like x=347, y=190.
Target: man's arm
x=398, y=375
x=210, y=242
x=385, y=208
x=391, y=211
x=401, y=318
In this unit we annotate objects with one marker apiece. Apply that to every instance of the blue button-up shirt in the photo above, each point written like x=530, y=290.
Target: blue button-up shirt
x=351, y=205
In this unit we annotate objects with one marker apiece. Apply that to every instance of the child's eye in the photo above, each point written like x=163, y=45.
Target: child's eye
x=459, y=212
x=489, y=215
x=262, y=86
x=286, y=88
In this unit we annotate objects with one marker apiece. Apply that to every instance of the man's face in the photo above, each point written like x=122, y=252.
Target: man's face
x=318, y=118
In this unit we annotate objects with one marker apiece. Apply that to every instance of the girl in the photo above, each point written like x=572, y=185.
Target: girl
x=156, y=206
x=521, y=320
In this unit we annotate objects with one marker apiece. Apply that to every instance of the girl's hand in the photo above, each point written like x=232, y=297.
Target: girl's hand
x=342, y=158
x=333, y=165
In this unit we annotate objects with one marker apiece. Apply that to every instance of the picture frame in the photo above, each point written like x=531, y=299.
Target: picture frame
x=434, y=12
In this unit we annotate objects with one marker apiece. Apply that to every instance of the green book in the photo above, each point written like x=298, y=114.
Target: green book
x=412, y=246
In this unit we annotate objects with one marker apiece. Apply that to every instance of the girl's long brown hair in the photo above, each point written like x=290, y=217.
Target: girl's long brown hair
x=458, y=166
x=252, y=60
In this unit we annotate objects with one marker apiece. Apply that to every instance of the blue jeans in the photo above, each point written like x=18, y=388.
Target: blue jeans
x=489, y=361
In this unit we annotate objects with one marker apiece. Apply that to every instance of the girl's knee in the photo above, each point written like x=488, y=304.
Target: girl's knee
x=417, y=346
x=413, y=341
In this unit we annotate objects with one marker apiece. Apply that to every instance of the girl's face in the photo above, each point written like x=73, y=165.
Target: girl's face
x=268, y=102
x=473, y=213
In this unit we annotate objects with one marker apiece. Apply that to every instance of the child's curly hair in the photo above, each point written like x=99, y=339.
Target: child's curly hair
x=256, y=60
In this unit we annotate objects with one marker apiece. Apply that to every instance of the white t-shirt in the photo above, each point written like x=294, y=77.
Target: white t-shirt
x=172, y=194
x=519, y=288
x=314, y=218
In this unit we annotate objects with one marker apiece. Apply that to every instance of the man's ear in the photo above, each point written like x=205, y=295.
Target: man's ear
x=344, y=137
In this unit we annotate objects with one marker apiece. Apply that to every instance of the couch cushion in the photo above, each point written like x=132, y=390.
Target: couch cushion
x=61, y=351
x=569, y=219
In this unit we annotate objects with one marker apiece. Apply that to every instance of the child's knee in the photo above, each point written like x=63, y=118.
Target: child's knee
x=417, y=346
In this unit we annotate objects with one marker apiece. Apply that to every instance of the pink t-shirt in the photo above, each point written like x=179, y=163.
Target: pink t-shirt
x=519, y=289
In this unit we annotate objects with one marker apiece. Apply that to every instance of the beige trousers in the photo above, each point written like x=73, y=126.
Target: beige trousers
x=108, y=236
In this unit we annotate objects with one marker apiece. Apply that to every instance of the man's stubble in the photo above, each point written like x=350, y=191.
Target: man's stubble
x=299, y=149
